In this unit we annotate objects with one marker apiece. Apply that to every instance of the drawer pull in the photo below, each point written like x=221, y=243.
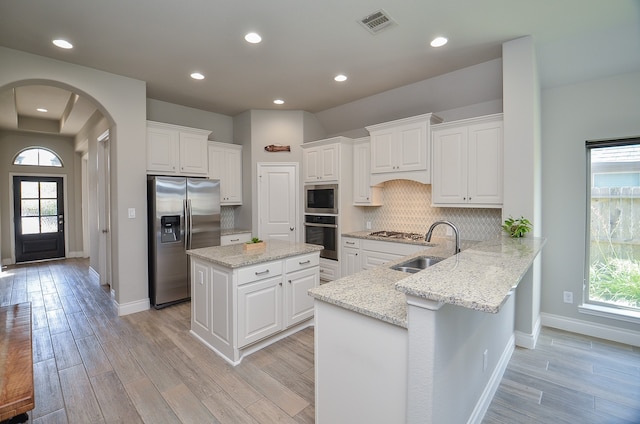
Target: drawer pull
x=235, y=239
x=350, y=242
x=262, y=272
x=308, y=261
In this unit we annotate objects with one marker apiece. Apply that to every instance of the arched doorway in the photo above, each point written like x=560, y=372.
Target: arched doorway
x=122, y=102
x=74, y=124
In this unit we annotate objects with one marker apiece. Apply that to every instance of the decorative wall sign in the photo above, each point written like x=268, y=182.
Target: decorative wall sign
x=274, y=148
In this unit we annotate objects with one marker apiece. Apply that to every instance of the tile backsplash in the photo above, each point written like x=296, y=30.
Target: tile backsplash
x=407, y=207
x=227, y=221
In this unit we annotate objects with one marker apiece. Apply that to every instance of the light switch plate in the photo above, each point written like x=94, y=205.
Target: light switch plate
x=132, y=213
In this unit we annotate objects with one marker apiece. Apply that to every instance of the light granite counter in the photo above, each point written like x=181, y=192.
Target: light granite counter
x=479, y=278
x=234, y=256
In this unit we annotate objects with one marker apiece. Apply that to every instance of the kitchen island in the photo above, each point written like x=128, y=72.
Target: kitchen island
x=428, y=347
x=243, y=300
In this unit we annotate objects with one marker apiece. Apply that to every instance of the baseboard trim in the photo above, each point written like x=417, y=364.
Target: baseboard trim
x=490, y=389
x=600, y=331
x=94, y=273
x=133, y=307
x=528, y=341
x=75, y=255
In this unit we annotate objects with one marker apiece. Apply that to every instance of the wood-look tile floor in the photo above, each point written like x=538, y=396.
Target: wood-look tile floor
x=92, y=366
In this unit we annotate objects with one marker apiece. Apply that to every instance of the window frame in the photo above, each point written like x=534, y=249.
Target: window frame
x=38, y=149
x=591, y=306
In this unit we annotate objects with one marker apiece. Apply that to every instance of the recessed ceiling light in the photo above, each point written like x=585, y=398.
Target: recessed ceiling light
x=278, y=101
x=253, y=38
x=439, y=42
x=63, y=44
x=43, y=110
x=340, y=78
x=197, y=76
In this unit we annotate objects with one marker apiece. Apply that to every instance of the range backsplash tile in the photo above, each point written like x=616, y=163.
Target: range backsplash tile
x=407, y=207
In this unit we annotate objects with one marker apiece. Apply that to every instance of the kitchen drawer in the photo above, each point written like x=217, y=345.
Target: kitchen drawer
x=237, y=238
x=259, y=272
x=302, y=262
x=351, y=242
x=375, y=259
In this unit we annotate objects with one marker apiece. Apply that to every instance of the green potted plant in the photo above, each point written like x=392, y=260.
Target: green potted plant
x=517, y=227
x=254, y=243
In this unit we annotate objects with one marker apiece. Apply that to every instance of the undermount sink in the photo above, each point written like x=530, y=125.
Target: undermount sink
x=417, y=264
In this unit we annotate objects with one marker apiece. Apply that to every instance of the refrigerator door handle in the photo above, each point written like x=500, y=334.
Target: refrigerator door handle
x=189, y=224
x=185, y=203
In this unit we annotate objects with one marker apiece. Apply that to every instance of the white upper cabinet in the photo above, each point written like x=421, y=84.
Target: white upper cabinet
x=176, y=150
x=363, y=193
x=467, y=163
x=225, y=164
x=321, y=163
x=401, y=149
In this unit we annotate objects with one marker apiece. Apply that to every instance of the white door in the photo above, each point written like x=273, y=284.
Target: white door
x=278, y=201
x=104, y=209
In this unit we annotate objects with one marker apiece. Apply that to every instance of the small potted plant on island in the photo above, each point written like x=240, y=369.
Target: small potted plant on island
x=254, y=244
x=517, y=227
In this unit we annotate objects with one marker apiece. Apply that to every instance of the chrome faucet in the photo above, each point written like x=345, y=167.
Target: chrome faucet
x=427, y=236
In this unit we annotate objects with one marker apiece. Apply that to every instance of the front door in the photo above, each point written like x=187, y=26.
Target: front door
x=39, y=217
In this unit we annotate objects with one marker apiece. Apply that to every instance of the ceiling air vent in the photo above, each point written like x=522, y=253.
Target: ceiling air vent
x=377, y=21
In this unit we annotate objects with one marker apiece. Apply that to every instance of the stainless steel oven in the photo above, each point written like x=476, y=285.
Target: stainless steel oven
x=323, y=230
x=321, y=198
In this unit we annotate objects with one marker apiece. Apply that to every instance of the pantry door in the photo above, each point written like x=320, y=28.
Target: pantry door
x=278, y=201
x=39, y=218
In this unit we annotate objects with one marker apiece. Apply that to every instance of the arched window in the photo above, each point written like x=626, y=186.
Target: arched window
x=37, y=156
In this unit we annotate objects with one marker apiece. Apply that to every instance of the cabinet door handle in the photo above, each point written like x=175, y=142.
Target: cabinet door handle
x=262, y=272
x=308, y=261
x=280, y=283
x=289, y=281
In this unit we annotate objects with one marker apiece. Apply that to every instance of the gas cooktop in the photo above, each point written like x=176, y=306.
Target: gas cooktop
x=398, y=235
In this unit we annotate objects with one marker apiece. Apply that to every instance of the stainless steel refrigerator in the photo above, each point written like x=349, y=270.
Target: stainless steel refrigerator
x=183, y=213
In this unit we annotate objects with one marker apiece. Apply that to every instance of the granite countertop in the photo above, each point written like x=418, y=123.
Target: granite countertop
x=479, y=278
x=234, y=256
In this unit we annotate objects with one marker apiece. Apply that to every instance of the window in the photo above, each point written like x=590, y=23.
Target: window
x=613, y=225
x=37, y=156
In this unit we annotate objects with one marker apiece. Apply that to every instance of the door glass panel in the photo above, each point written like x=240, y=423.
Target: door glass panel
x=48, y=190
x=29, y=189
x=30, y=225
x=49, y=224
x=30, y=208
x=48, y=207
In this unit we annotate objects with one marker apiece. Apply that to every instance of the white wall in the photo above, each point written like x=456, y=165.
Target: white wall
x=123, y=101
x=221, y=126
x=571, y=114
x=521, y=102
x=459, y=89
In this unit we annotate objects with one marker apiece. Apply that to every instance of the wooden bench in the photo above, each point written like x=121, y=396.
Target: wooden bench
x=16, y=363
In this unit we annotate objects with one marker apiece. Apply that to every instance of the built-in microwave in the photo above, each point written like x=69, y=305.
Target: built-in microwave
x=321, y=198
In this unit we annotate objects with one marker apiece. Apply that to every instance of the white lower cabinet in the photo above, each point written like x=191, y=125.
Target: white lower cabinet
x=259, y=310
x=329, y=270
x=361, y=254
x=238, y=311
x=298, y=304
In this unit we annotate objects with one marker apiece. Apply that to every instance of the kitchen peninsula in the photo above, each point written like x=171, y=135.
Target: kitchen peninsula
x=243, y=300
x=428, y=347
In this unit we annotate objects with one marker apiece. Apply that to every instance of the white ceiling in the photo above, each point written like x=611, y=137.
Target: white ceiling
x=305, y=44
